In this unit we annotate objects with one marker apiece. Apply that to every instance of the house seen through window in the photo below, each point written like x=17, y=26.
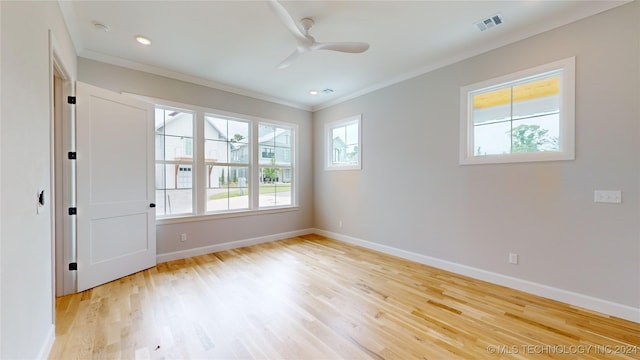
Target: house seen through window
x=227, y=161
x=275, y=165
x=174, y=161
x=225, y=175
x=343, y=144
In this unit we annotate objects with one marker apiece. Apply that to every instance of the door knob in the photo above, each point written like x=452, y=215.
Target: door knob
x=152, y=205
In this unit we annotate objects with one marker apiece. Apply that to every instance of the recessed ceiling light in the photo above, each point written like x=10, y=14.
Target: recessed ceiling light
x=143, y=40
x=313, y=92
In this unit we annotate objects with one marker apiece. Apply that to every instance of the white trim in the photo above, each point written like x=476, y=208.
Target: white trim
x=47, y=345
x=569, y=297
x=294, y=149
x=182, y=254
x=113, y=60
x=68, y=13
x=54, y=65
x=469, y=52
x=328, y=143
x=567, y=116
x=61, y=194
x=223, y=215
x=199, y=113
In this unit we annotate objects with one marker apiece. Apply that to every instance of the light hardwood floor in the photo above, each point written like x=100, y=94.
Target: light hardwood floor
x=315, y=298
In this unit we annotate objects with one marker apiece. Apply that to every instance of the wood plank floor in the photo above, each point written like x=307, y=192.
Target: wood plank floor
x=315, y=298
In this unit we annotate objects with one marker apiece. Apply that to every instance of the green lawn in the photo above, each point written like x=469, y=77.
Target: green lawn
x=264, y=189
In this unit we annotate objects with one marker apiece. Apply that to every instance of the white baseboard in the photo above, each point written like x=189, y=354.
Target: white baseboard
x=576, y=299
x=48, y=343
x=182, y=254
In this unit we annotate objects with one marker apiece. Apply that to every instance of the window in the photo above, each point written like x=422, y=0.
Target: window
x=267, y=153
x=526, y=116
x=174, y=161
x=211, y=162
x=185, y=181
x=276, y=167
x=343, y=146
x=188, y=147
x=226, y=149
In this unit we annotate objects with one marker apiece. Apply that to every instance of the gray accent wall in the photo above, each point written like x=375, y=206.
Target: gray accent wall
x=412, y=194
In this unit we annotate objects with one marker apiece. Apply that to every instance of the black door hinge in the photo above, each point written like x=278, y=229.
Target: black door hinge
x=73, y=266
x=71, y=99
x=73, y=211
x=71, y=155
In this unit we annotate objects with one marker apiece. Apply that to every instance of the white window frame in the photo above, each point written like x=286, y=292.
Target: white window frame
x=228, y=117
x=328, y=130
x=191, y=163
x=198, y=175
x=293, y=159
x=566, y=116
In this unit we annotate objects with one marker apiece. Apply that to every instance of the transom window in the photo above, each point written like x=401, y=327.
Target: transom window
x=343, y=146
x=206, y=163
x=526, y=116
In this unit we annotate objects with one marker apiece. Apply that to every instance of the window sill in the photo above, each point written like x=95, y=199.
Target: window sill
x=226, y=215
x=342, y=167
x=518, y=158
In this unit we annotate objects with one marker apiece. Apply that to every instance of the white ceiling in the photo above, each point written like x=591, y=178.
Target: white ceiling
x=237, y=45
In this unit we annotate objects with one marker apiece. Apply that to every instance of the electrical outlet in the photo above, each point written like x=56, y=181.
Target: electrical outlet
x=183, y=237
x=513, y=258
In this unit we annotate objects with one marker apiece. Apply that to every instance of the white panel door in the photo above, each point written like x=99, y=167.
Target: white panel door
x=115, y=186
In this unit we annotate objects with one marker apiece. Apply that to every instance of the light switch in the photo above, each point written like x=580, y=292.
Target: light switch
x=608, y=196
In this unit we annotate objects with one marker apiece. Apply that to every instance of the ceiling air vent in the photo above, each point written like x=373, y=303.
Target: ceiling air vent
x=489, y=22
x=328, y=91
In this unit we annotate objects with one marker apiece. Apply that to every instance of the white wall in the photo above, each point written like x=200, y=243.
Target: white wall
x=26, y=328
x=411, y=195
x=210, y=233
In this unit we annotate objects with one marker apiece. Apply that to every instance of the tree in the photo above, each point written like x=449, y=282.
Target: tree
x=531, y=138
x=236, y=138
x=235, y=176
x=222, y=178
x=271, y=173
x=353, y=154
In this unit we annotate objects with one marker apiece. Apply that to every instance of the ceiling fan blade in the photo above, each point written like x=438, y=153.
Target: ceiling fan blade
x=286, y=62
x=288, y=21
x=348, y=47
x=305, y=41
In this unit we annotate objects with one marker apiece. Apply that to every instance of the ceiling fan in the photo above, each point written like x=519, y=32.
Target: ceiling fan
x=305, y=41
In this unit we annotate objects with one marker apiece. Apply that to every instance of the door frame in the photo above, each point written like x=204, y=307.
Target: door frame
x=62, y=173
